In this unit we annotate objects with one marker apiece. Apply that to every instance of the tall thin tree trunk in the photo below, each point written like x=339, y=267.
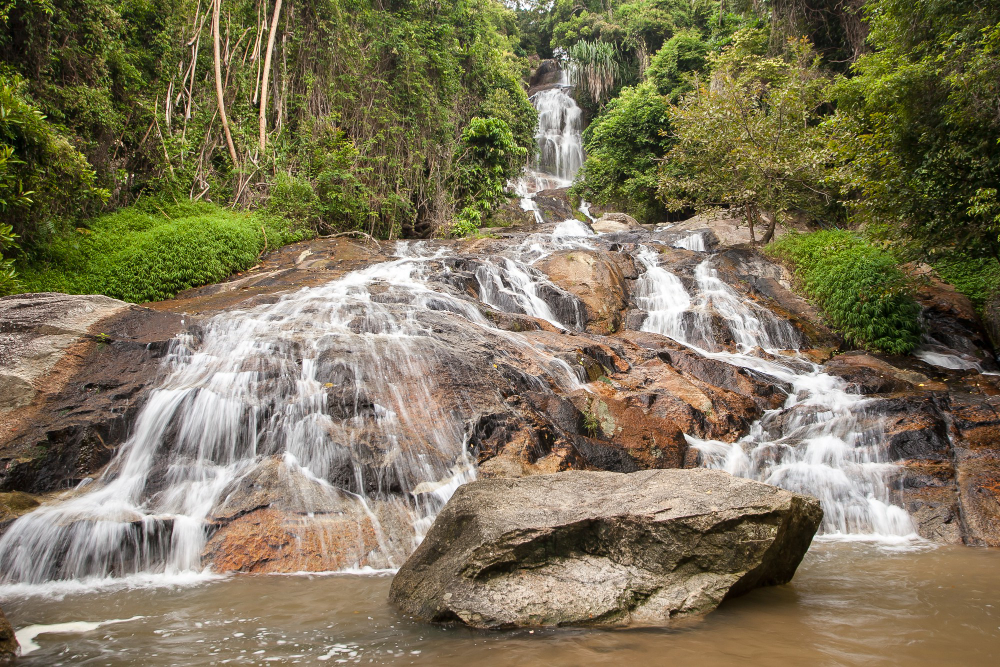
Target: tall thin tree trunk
x=218, y=84
x=750, y=211
x=267, y=71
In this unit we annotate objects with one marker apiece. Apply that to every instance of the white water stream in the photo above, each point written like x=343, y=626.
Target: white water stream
x=559, y=150
x=819, y=442
x=333, y=387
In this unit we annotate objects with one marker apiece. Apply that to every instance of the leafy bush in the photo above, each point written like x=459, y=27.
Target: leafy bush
x=859, y=287
x=623, y=146
x=670, y=68
x=8, y=275
x=976, y=277
x=148, y=253
x=45, y=181
x=750, y=139
x=489, y=157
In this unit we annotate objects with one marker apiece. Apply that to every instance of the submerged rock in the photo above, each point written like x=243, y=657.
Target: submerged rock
x=8, y=642
x=597, y=548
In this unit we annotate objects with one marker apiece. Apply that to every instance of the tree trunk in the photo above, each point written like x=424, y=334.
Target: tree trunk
x=769, y=234
x=750, y=212
x=267, y=71
x=218, y=84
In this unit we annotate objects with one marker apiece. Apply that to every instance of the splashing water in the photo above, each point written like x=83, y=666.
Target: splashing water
x=822, y=442
x=694, y=241
x=327, y=400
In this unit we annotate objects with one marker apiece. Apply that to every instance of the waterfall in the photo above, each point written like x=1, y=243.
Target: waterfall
x=325, y=404
x=560, y=147
x=821, y=442
x=559, y=141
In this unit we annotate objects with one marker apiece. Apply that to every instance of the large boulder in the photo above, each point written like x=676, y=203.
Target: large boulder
x=598, y=548
x=553, y=205
x=8, y=641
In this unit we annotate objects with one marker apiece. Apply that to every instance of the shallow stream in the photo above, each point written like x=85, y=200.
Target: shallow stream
x=851, y=603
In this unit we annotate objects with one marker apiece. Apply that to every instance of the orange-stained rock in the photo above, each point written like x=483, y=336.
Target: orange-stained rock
x=976, y=421
x=594, y=278
x=269, y=541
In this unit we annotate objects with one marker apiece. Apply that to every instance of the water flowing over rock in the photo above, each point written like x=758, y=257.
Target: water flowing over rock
x=317, y=412
x=581, y=548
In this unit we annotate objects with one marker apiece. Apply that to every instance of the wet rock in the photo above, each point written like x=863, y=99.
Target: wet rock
x=91, y=361
x=771, y=284
x=510, y=215
x=950, y=319
x=275, y=518
x=976, y=443
x=872, y=375
x=547, y=73
x=603, y=549
x=35, y=331
x=9, y=648
x=614, y=222
x=930, y=495
x=554, y=205
x=13, y=505
x=596, y=280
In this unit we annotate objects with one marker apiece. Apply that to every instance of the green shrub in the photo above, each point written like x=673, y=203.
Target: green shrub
x=976, y=277
x=859, y=287
x=8, y=275
x=148, y=252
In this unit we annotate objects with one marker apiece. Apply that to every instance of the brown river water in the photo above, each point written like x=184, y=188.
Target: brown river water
x=849, y=604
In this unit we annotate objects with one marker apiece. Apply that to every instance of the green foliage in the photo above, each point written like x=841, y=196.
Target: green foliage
x=366, y=106
x=598, y=67
x=976, y=277
x=44, y=180
x=749, y=140
x=8, y=275
x=917, y=125
x=858, y=286
x=490, y=157
x=591, y=423
x=671, y=67
x=623, y=145
x=149, y=252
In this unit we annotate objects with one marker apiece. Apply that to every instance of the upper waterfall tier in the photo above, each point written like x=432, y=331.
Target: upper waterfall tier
x=560, y=145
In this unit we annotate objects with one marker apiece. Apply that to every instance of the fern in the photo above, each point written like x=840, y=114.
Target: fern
x=858, y=286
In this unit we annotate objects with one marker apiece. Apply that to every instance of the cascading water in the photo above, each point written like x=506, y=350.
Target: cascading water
x=560, y=149
x=559, y=153
x=820, y=443
x=328, y=396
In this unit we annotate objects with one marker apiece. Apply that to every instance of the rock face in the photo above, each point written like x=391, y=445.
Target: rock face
x=614, y=222
x=35, y=331
x=603, y=548
x=9, y=647
x=597, y=280
x=74, y=371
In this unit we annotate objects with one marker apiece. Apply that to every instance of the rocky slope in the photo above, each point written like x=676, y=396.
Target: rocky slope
x=583, y=388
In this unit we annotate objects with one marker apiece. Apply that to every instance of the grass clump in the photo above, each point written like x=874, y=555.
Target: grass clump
x=859, y=287
x=151, y=252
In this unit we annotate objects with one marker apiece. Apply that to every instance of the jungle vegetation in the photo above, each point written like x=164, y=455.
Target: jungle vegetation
x=406, y=118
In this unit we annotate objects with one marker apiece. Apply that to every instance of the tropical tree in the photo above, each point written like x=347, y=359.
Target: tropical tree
x=749, y=138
